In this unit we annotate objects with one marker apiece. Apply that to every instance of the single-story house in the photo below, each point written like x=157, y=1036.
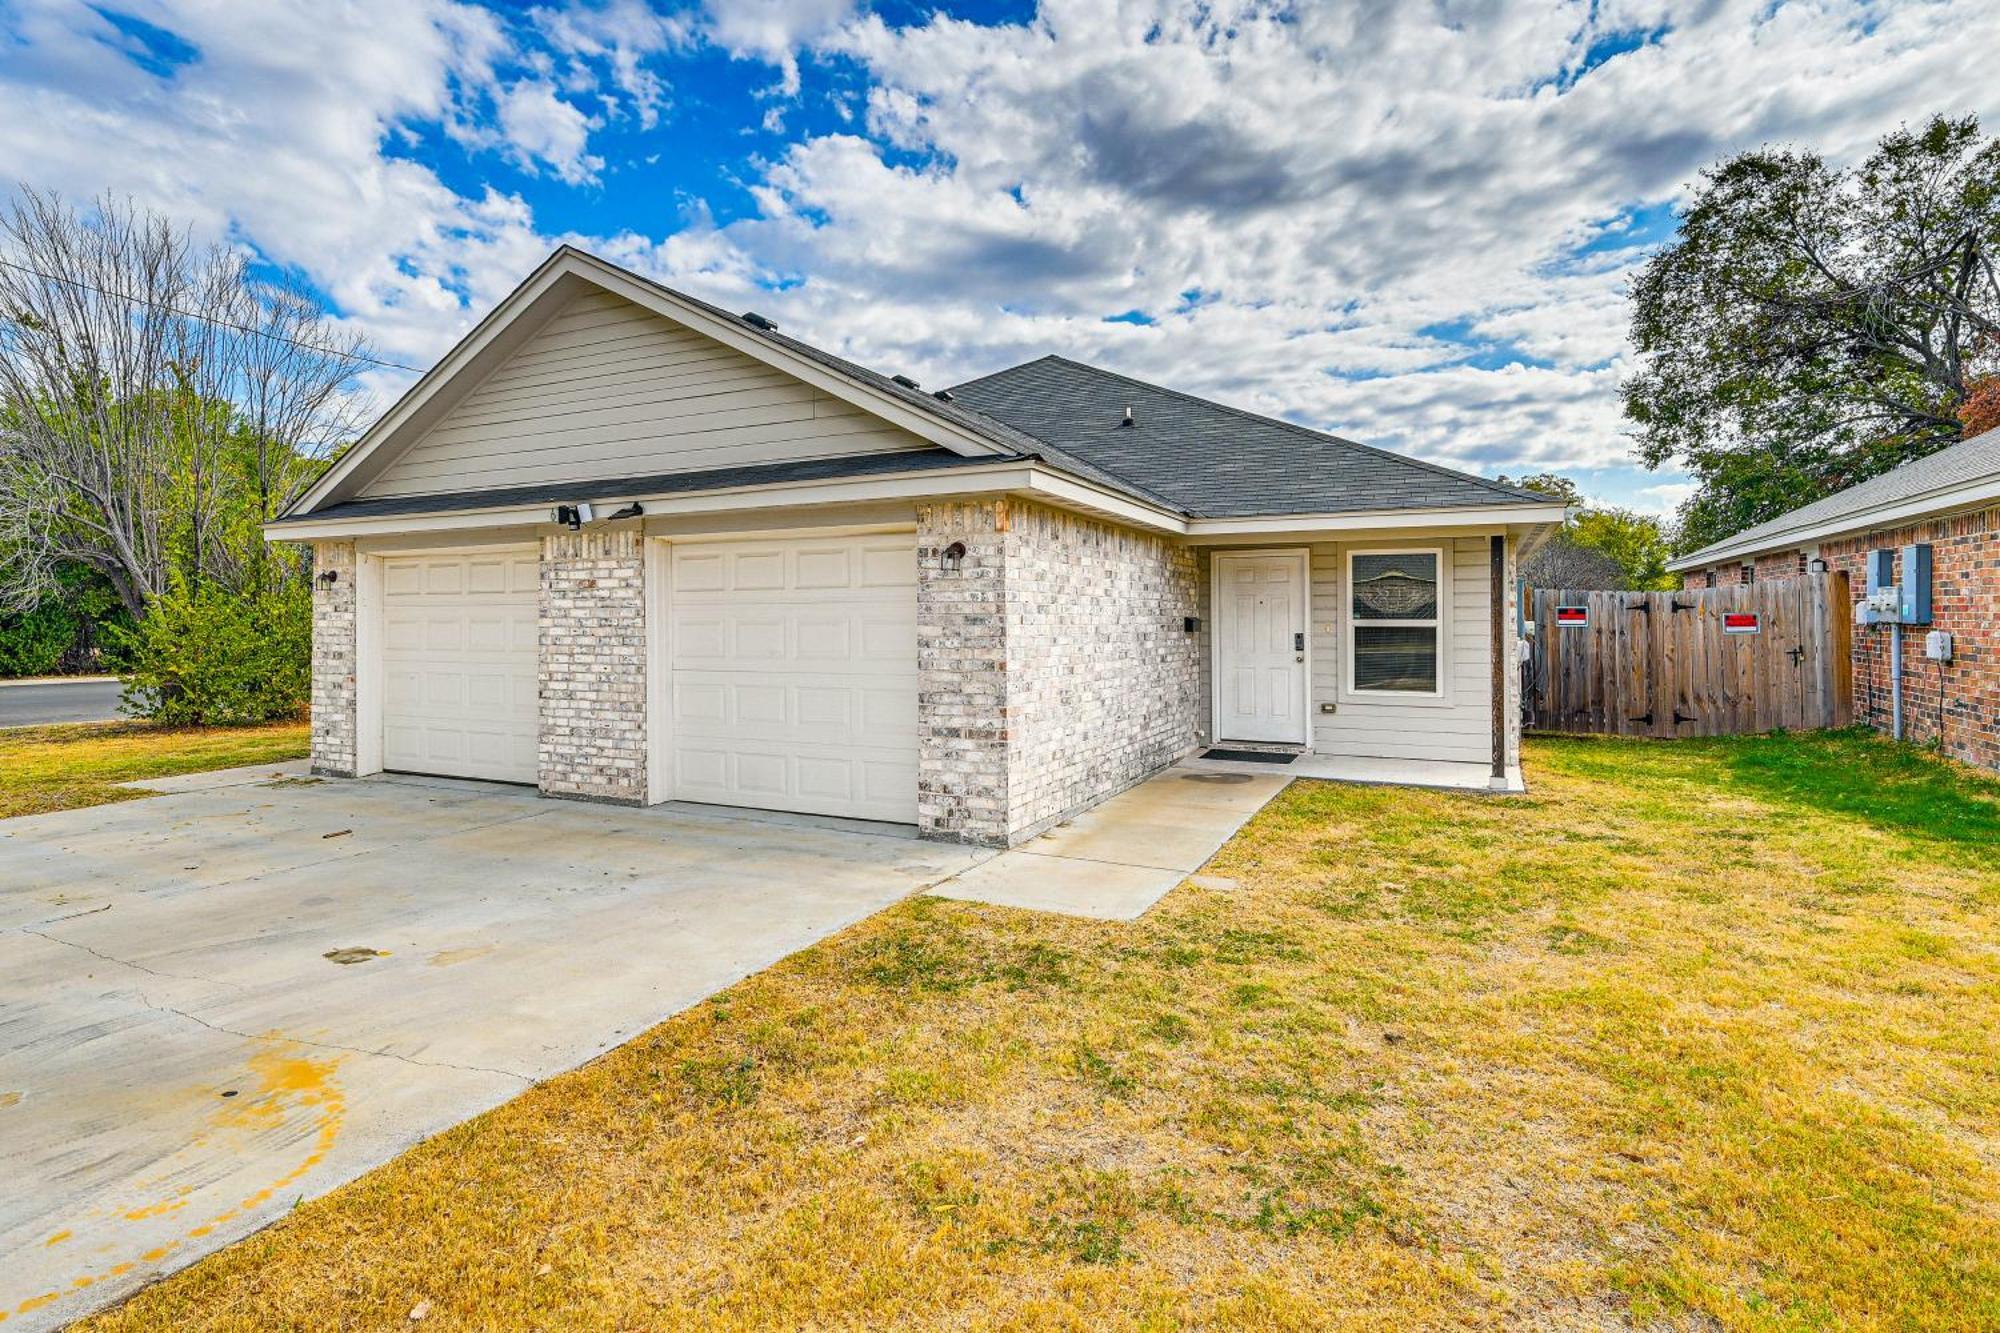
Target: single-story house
x=629, y=546
x=1949, y=500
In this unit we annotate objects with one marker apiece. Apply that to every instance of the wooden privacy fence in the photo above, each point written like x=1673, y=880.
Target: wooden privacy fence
x=1705, y=662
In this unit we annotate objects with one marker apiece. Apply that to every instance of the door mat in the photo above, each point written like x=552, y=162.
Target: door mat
x=1249, y=756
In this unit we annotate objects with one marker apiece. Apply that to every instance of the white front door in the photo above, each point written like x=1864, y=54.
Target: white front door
x=1260, y=647
x=458, y=664
x=794, y=675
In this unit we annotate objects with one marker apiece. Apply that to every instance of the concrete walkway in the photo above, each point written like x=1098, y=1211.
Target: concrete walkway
x=217, y=1002
x=1119, y=859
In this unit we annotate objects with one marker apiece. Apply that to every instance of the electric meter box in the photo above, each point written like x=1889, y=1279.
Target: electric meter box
x=1916, y=585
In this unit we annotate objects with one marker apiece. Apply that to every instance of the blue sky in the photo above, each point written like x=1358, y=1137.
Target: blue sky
x=1409, y=223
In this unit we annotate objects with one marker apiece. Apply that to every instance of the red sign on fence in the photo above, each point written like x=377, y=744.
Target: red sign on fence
x=1739, y=622
x=1572, y=617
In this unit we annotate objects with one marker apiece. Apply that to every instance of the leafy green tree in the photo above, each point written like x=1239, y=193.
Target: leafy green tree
x=1809, y=327
x=1598, y=547
x=159, y=403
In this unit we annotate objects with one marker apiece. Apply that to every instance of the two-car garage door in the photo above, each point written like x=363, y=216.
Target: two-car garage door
x=792, y=668
x=794, y=675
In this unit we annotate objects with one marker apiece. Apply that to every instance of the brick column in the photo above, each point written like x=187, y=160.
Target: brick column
x=333, y=688
x=592, y=667
x=962, y=674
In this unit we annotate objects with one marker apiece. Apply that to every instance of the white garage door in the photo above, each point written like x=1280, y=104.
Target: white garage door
x=794, y=675
x=458, y=664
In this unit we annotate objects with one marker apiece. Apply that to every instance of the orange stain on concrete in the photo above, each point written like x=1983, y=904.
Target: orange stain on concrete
x=56, y=1239
x=286, y=1079
x=155, y=1210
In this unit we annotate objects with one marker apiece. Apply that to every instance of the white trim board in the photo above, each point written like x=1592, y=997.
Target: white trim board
x=1031, y=480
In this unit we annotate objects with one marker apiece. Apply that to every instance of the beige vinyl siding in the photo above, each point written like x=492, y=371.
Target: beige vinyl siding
x=607, y=389
x=1457, y=726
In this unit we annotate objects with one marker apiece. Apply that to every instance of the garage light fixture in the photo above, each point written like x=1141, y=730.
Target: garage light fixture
x=575, y=516
x=326, y=578
x=952, y=558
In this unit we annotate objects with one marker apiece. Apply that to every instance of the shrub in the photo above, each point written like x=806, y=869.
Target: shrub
x=208, y=656
x=69, y=629
x=32, y=643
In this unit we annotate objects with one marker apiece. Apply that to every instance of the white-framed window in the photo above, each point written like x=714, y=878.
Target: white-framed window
x=1395, y=622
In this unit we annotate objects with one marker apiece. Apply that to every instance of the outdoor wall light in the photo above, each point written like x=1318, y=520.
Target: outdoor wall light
x=952, y=558
x=326, y=578
x=1818, y=565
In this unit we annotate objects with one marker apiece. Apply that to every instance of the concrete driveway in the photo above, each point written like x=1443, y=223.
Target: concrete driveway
x=181, y=1060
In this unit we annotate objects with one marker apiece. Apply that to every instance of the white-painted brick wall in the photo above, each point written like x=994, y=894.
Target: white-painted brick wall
x=592, y=667
x=333, y=690
x=1054, y=667
x=1102, y=669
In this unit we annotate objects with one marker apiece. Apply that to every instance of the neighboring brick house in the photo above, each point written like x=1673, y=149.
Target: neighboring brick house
x=629, y=547
x=1950, y=500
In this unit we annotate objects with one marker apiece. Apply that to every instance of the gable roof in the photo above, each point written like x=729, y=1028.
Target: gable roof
x=1967, y=473
x=1186, y=455
x=1208, y=459
x=568, y=271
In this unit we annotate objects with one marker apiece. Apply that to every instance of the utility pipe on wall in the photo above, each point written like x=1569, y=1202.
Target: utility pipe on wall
x=1896, y=679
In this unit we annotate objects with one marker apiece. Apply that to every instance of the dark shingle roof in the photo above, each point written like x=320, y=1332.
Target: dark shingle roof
x=1963, y=463
x=1210, y=460
x=670, y=483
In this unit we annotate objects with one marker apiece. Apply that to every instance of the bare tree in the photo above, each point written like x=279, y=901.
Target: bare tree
x=157, y=402
x=1562, y=564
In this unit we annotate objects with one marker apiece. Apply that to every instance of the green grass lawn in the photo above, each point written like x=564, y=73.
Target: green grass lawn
x=78, y=764
x=1696, y=1032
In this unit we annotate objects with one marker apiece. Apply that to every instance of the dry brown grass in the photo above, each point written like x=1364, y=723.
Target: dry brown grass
x=1687, y=1036
x=79, y=764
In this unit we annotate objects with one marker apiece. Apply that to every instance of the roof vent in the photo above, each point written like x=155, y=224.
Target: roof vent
x=757, y=321
x=942, y=395
x=905, y=381
x=1128, y=421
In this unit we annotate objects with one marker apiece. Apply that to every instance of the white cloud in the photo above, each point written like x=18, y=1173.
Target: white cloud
x=774, y=30
x=1351, y=184
x=538, y=126
x=623, y=35
x=275, y=133
x=1380, y=206
x=1664, y=498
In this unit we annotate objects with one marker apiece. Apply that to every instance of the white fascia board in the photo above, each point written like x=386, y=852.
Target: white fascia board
x=1010, y=477
x=1895, y=513
x=565, y=263
x=1472, y=516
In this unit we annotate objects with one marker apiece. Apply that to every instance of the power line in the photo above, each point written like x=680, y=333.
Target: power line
x=207, y=319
